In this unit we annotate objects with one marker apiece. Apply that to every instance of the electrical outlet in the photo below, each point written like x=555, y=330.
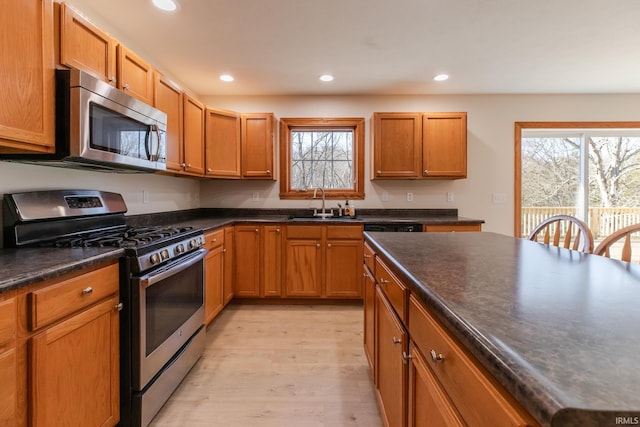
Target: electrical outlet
x=256, y=196
x=450, y=196
x=385, y=196
x=409, y=196
x=499, y=198
x=145, y=196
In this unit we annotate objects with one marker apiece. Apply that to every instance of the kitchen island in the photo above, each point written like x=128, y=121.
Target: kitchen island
x=558, y=329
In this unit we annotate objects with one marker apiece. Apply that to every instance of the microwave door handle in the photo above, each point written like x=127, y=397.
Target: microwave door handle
x=183, y=264
x=147, y=142
x=157, y=155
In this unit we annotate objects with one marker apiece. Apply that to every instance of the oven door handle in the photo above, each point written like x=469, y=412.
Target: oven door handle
x=172, y=268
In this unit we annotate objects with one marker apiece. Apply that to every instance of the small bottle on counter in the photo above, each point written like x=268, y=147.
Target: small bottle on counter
x=347, y=209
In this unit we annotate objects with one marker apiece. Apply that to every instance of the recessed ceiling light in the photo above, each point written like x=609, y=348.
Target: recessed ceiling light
x=441, y=77
x=326, y=77
x=168, y=5
x=226, y=78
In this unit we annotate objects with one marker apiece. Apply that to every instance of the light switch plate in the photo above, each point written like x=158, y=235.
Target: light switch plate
x=450, y=196
x=409, y=196
x=385, y=196
x=499, y=198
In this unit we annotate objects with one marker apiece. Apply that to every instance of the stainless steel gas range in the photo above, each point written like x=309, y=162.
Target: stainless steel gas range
x=161, y=285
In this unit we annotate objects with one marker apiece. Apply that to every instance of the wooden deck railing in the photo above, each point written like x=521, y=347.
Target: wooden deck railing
x=602, y=221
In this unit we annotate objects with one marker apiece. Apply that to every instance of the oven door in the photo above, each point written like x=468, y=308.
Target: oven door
x=170, y=303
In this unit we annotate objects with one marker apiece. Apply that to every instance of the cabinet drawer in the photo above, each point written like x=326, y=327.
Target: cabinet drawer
x=344, y=231
x=53, y=302
x=304, y=232
x=8, y=321
x=478, y=398
x=395, y=291
x=369, y=257
x=213, y=239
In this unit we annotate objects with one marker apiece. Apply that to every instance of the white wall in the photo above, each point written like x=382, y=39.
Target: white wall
x=490, y=161
x=166, y=193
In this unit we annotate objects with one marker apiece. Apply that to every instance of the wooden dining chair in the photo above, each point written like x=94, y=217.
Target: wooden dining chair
x=604, y=248
x=567, y=230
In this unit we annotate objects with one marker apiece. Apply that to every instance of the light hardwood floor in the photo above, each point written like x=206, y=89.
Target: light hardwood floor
x=278, y=366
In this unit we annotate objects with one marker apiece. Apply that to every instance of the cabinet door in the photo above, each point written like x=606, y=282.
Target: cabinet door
x=369, y=291
x=303, y=274
x=135, y=76
x=429, y=405
x=397, y=145
x=193, y=129
x=247, y=255
x=27, y=83
x=444, y=149
x=258, y=140
x=168, y=98
x=86, y=47
x=214, y=277
x=344, y=268
x=222, y=143
x=391, y=372
x=79, y=387
x=227, y=288
x=272, y=260
x=8, y=373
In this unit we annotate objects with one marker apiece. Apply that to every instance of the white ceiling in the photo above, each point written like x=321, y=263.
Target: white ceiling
x=281, y=47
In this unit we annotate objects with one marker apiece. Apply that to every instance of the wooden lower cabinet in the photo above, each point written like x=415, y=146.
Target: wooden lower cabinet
x=429, y=405
x=272, y=261
x=323, y=261
x=74, y=370
x=8, y=363
x=369, y=296
x=390, y=367
x=227, y=287
x=214, y=280
x=258, y=261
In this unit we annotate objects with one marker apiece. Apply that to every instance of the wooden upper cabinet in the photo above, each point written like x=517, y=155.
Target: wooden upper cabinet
x=222, y=143
x=397, y=145
x=258, y=141
x=27, y=80
x=86, y=47
x=168, y=98
x=135, y=76
x=193, y=135
x=419, y=145
x=444, y=145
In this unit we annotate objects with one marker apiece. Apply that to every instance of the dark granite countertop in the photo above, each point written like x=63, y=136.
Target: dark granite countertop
x=23, y=266
x=557, y=328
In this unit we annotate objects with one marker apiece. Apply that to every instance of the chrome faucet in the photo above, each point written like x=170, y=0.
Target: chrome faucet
x=322, y=214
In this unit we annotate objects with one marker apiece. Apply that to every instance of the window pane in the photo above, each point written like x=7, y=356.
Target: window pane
x=550, y=178
x=322, y=159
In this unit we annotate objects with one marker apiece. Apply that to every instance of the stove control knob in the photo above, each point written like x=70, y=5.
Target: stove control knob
x=164, y=254
x=200, y=241
x=193, y=243
x=155, y=258
x=179, y=249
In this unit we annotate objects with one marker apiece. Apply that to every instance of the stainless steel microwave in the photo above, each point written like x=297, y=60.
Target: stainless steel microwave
x=100, y=127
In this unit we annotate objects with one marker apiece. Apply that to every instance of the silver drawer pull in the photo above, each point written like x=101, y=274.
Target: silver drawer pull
x=87, y=291
x=436, y=357
x=383, y=280
x=406, y=357
x=396, y=340
x=367, y=256
x=119, y=306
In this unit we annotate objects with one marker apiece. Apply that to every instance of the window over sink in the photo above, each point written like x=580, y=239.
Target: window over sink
x=327, y=153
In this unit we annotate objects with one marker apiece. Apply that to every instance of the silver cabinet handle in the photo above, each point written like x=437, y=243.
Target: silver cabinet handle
x=125, y=86
x=257, y=230
x=426, y=172
x=367, y=256
x=183, y=165
x=268, y=172
x=436, y=357
x=214, y=240
x=379, y=172
x=277, y=230
x=112, y=79
x=406, y=357
x=317, y=245
x=328, y=245
x=119, y=306
x=365, y=275
x=224, y=250
x=209, y=170
x=396, y=340
x=383, y=280
x=87, y=291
